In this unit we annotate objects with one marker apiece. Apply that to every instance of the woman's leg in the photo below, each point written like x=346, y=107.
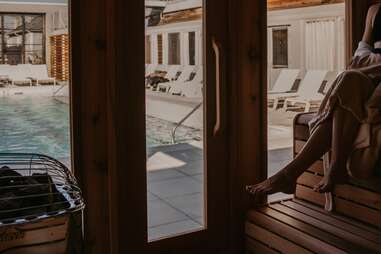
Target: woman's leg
x=344, y=130
x=285, y=180
x=338, y=134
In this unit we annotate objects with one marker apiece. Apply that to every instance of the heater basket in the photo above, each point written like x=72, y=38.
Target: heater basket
x=40, y=206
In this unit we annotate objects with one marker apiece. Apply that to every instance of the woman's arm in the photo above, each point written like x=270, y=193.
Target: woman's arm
x=368, y=32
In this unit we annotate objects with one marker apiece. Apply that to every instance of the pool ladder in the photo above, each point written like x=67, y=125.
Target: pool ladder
x=59, y=89
x=178, y=124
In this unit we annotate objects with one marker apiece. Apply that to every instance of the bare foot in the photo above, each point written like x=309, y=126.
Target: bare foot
x=280, y=182
x=333, y=176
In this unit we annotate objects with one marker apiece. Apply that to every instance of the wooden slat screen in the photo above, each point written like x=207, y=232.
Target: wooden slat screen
x=59, y=56
x=160, y=49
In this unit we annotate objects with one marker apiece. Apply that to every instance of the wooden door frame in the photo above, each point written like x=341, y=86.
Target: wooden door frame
x=101, y=133
x=112, y=176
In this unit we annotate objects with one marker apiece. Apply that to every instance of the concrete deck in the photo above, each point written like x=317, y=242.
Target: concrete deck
x=175, y=187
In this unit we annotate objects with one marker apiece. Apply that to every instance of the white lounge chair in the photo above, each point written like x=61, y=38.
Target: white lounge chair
x=173, y=72
x=171, y=85
x=4, y=73
x=40, y=74
x=18, y=75
x=283, y=84
x=150, y=68
x=193, y=88
x=309, y=94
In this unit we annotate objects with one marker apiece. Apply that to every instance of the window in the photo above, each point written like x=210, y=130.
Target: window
x=160, y=49
x=22, y=39
x=192, y=48
x=174, y=48
x=280, y=47
x=148, y=49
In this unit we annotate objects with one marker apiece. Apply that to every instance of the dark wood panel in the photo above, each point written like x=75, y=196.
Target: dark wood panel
x=309, y=195
x=349, y=226
x=256, y=247
x=273, y=240
x=356, y=223
x=359, y=195
x=358, y=212
x=307, y=228
x=363, y=245
x=291, y=233
x=89, y=117
x=309, y=179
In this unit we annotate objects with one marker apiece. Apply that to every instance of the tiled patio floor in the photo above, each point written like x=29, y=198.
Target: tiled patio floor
x=175, y=187
x=175, y=190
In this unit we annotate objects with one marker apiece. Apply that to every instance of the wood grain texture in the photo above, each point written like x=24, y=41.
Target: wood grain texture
x=292, y=234
x=282, y=4
x=358, y=243
x=340, y=222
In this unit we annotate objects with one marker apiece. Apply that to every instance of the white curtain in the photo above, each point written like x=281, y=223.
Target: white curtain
x=321, y=45
x=269, y=58
x=341, y=44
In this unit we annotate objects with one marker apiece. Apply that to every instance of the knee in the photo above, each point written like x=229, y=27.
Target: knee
x=352, y=74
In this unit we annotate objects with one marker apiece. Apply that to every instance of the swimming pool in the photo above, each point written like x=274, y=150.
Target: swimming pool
x=41, y=125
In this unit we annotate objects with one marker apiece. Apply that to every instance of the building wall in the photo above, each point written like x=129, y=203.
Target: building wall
x=183, y=28
x=56, y=17
x=296, y=20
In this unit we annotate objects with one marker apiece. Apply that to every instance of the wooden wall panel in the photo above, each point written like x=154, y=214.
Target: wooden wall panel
x=109, y=150
x=247, y=74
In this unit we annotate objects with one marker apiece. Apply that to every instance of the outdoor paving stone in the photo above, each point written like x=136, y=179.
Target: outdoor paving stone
x=200, y=220
x=280, y=155
x=199, y=177
x=175, y=187
x=192, y=168
x=172, y=229
x=192, y=205
x=162, y=175
x=151, y=197
x=160, y=213
x=186, y=155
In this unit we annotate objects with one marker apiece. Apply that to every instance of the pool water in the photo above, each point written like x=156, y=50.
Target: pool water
x=34, y=125
x=41, y=125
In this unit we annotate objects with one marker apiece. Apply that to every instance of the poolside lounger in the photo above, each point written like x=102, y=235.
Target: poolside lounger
x=4, y=74
x=283, y=84
x=156, y=75
x=171, y=75
x=309, y=94
x=18, y=75
x=40, y=74
x=171, y=85
x=193, y=88
x=150, y=68
x=285, y=81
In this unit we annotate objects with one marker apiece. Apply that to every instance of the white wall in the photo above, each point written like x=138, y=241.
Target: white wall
x=296, y=19
x=183, y=28
x=51, y=19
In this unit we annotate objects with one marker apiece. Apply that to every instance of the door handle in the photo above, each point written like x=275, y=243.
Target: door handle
x=217, y=51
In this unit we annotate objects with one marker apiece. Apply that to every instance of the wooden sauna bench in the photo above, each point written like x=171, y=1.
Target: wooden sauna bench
x=303, y=225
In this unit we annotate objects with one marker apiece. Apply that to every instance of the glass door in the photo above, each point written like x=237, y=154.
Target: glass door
x=186, y=136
